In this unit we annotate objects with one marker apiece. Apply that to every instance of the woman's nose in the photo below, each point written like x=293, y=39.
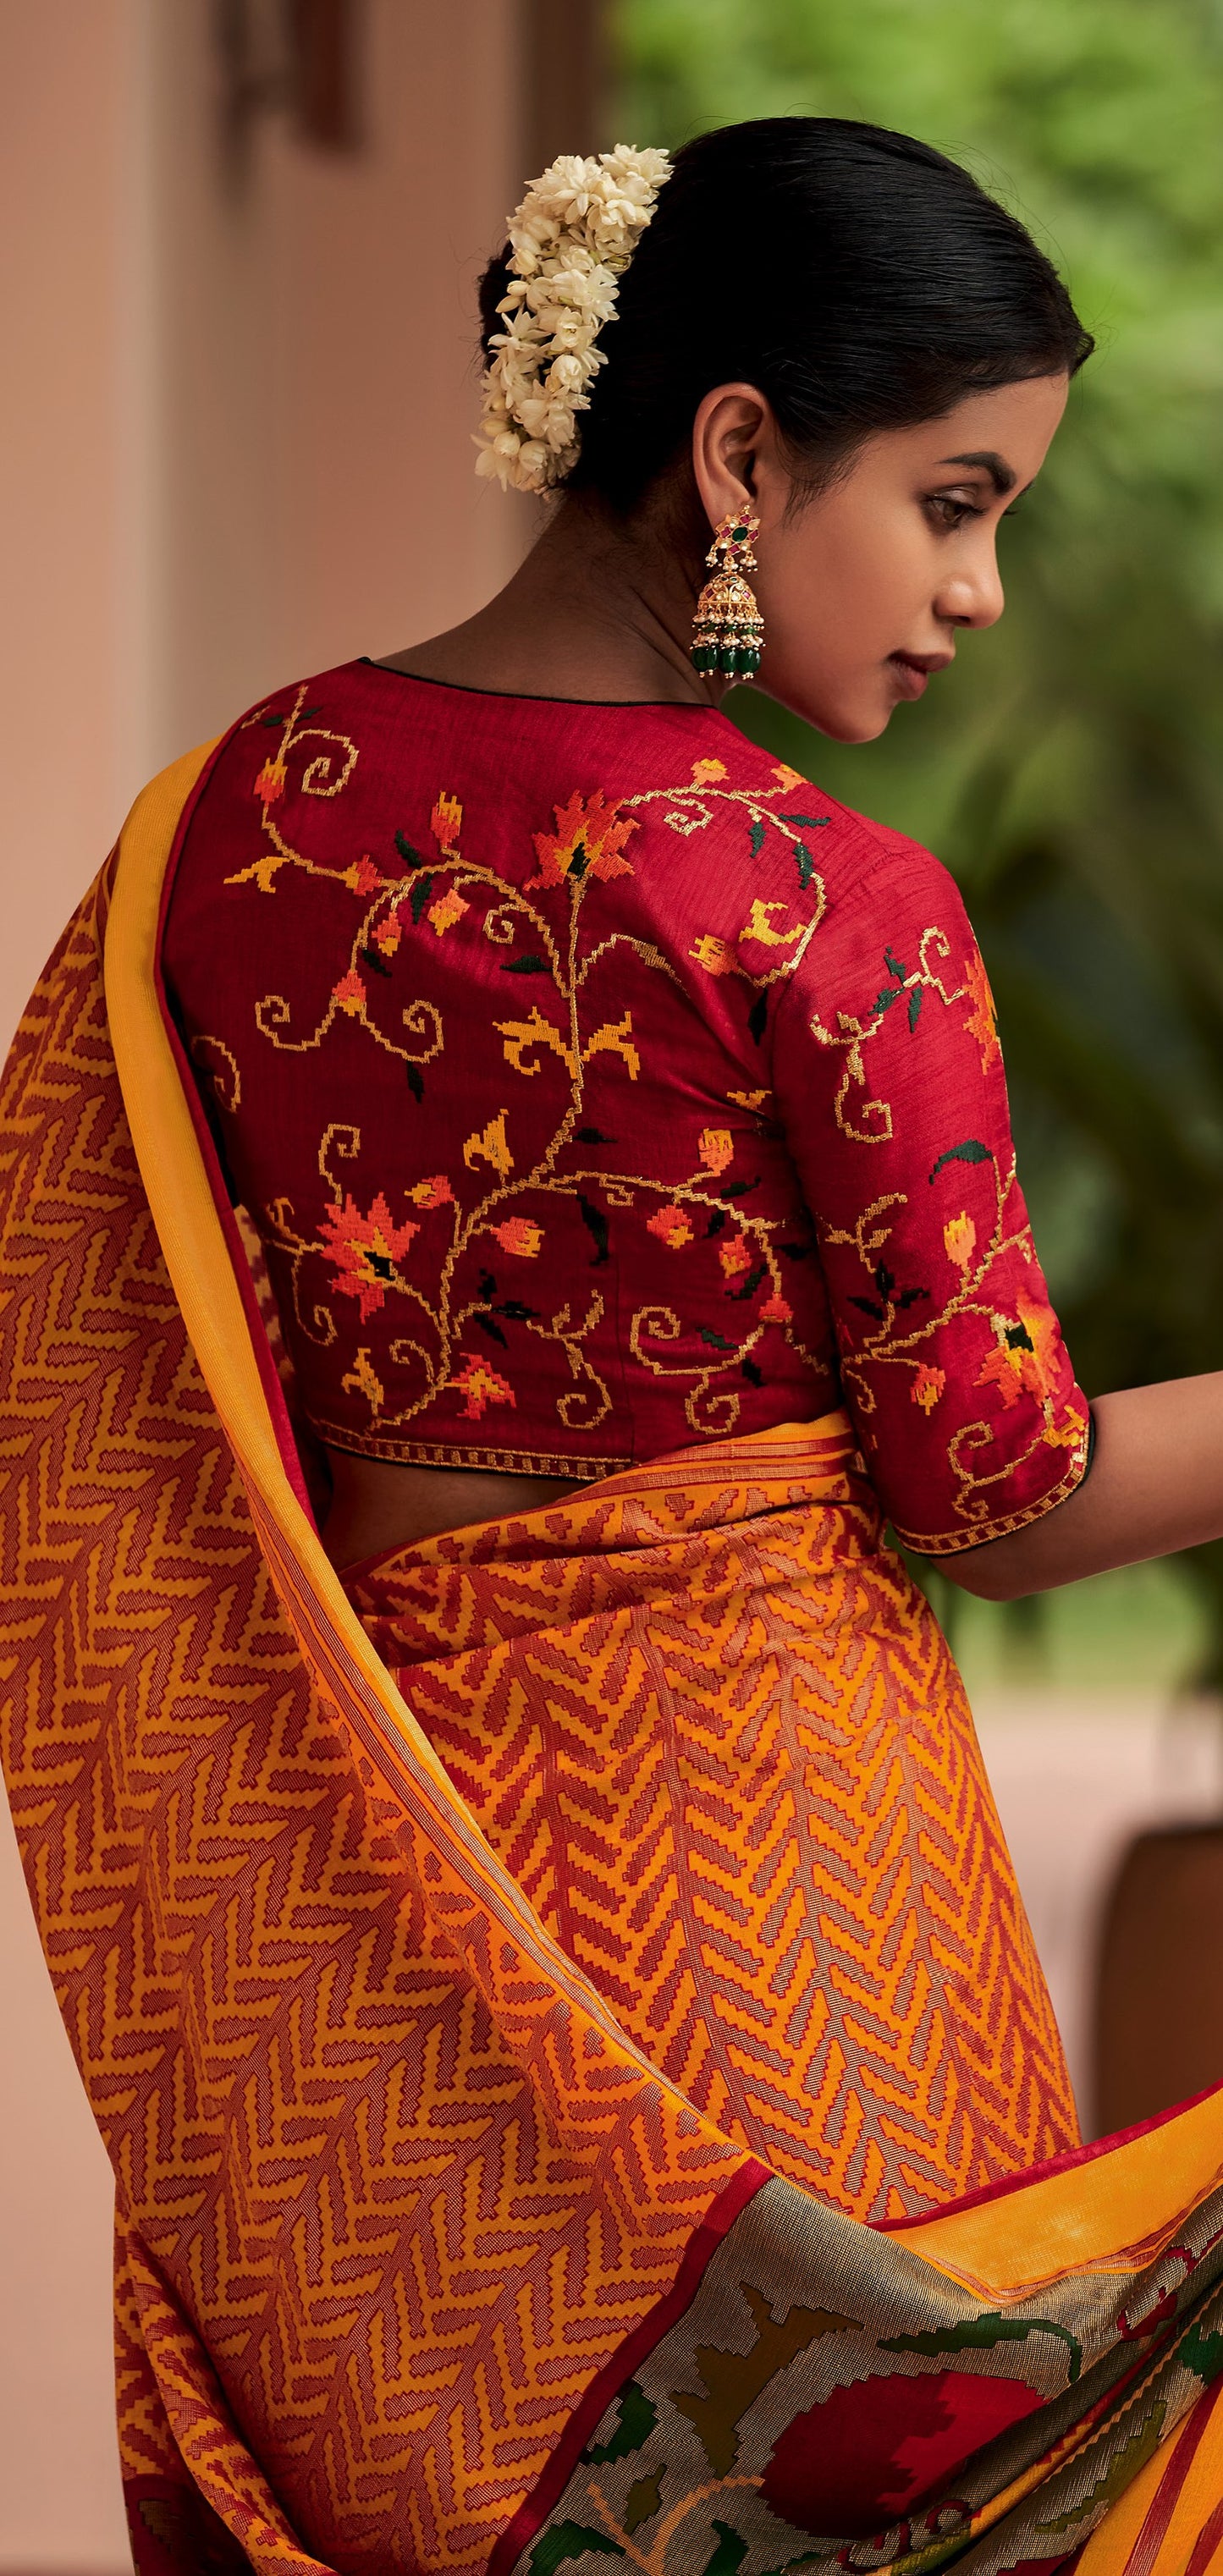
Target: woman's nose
x=973, y=595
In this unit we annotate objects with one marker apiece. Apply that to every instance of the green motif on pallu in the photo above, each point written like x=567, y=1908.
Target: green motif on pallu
x=1006, y=2431
x=982, y=2334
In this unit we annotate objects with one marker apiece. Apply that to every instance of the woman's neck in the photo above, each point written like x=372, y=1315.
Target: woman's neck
x=599, y=609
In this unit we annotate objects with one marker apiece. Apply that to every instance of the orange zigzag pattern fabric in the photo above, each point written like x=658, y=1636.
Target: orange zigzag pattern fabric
x=712, y=1729
x=355, y=2231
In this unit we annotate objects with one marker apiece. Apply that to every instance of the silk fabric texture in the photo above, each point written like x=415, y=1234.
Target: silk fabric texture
x=421, y=2260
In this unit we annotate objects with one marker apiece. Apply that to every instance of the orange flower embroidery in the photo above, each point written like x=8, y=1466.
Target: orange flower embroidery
x=785, y=776
x=365, y=1250
x=363, y=876
x=588, y=840
x=704, y=772
x=734, y=1257
x=1025, y=1353
x=776, y=1310
x=480, y=1385
x=519, y=1235
x=715, y=955
x=927, y=1386
x=433, y=1193
x=982, y=1020
x=270, y=784
x=960, y=1237
x=388, y=934
x=446, y=821
x=350, y=993
x=671, y=1227
x=448, y=909
x=717, y=1148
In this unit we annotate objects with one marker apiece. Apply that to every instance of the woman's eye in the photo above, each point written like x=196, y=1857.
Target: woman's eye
x=947, y=512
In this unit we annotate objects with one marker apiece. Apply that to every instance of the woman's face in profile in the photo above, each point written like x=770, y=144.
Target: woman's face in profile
x=863, y=588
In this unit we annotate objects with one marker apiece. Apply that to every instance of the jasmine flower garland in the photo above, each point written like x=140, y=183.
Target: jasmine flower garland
x=575, y=231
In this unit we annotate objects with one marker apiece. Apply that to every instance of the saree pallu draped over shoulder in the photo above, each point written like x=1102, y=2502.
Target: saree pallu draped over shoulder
x=465, y=2215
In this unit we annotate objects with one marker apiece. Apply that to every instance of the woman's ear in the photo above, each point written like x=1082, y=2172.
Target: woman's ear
x=733, y=431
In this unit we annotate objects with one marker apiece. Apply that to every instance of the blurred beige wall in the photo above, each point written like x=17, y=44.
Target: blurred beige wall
x=234, y=444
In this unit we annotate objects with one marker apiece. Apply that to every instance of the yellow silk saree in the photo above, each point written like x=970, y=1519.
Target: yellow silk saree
x=425, y=2260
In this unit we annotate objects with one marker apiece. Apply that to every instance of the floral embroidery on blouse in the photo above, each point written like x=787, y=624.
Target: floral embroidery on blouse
x=584, y=1118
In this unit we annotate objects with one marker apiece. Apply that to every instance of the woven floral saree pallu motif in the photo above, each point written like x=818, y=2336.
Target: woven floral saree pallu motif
x=430, y=2254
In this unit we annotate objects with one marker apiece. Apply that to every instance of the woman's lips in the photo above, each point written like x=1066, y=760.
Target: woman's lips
x=914, y=669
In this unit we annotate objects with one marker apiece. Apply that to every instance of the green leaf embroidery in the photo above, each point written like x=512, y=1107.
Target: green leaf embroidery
x=411, y=858
x=730, y=2553
x=808, y=822
x=982, y=2334
x=420, y=894
x=714, y=1340
x=757, y=1017
x=637, y=2419
x=971, y=1151
x=915, y=1003
x=1117, y=2474
x=570, y=2540
x=1202, y=2354
x=526, y=966
x=757, y=838
x=806, y=864
x=416, y=1081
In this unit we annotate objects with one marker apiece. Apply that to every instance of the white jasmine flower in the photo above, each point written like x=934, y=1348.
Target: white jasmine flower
x=571, y=238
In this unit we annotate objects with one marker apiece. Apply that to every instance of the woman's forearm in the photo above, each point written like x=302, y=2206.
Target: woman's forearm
x=1155, y=1485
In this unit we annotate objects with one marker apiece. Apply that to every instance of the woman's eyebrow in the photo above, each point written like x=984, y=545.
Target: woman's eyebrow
x=1001, y=475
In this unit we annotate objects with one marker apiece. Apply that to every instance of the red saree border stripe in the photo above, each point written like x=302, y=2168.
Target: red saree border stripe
x=1163, y=2504
x=1065, y=2163
x=264, y=1362
x=1206, y=2544
x=702, y=2245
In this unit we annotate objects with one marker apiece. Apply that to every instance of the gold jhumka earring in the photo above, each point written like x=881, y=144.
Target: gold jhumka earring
x=728, y=629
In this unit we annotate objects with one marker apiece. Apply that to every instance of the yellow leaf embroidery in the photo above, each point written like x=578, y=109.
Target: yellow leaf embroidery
x=518, y=1035
x=615, y=1038
x=362, y=1379
x=488, y=1145
x=759, y=927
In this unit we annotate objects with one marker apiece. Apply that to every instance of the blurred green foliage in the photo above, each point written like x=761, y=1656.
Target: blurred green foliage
x=1068, y=769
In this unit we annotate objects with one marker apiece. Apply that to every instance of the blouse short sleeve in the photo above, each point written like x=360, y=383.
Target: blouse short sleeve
x=889, y=1080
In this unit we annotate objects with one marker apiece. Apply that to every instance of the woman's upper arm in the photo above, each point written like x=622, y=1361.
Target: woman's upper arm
x=890, y=1082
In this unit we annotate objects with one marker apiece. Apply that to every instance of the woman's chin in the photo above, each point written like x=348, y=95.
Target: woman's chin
x=849, y=720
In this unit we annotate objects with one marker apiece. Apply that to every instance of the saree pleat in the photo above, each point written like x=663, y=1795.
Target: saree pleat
x=707, y=1721
x=426, y=2259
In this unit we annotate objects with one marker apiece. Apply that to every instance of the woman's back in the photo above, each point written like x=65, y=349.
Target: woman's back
x=553, y=1049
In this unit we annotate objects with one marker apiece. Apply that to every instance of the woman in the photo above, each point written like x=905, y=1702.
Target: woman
x=506, y=2099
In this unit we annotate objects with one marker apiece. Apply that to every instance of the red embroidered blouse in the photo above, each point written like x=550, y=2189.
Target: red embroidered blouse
x=597, y=1087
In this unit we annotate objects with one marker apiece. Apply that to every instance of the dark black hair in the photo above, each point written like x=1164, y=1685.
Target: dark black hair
x=863, y=281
